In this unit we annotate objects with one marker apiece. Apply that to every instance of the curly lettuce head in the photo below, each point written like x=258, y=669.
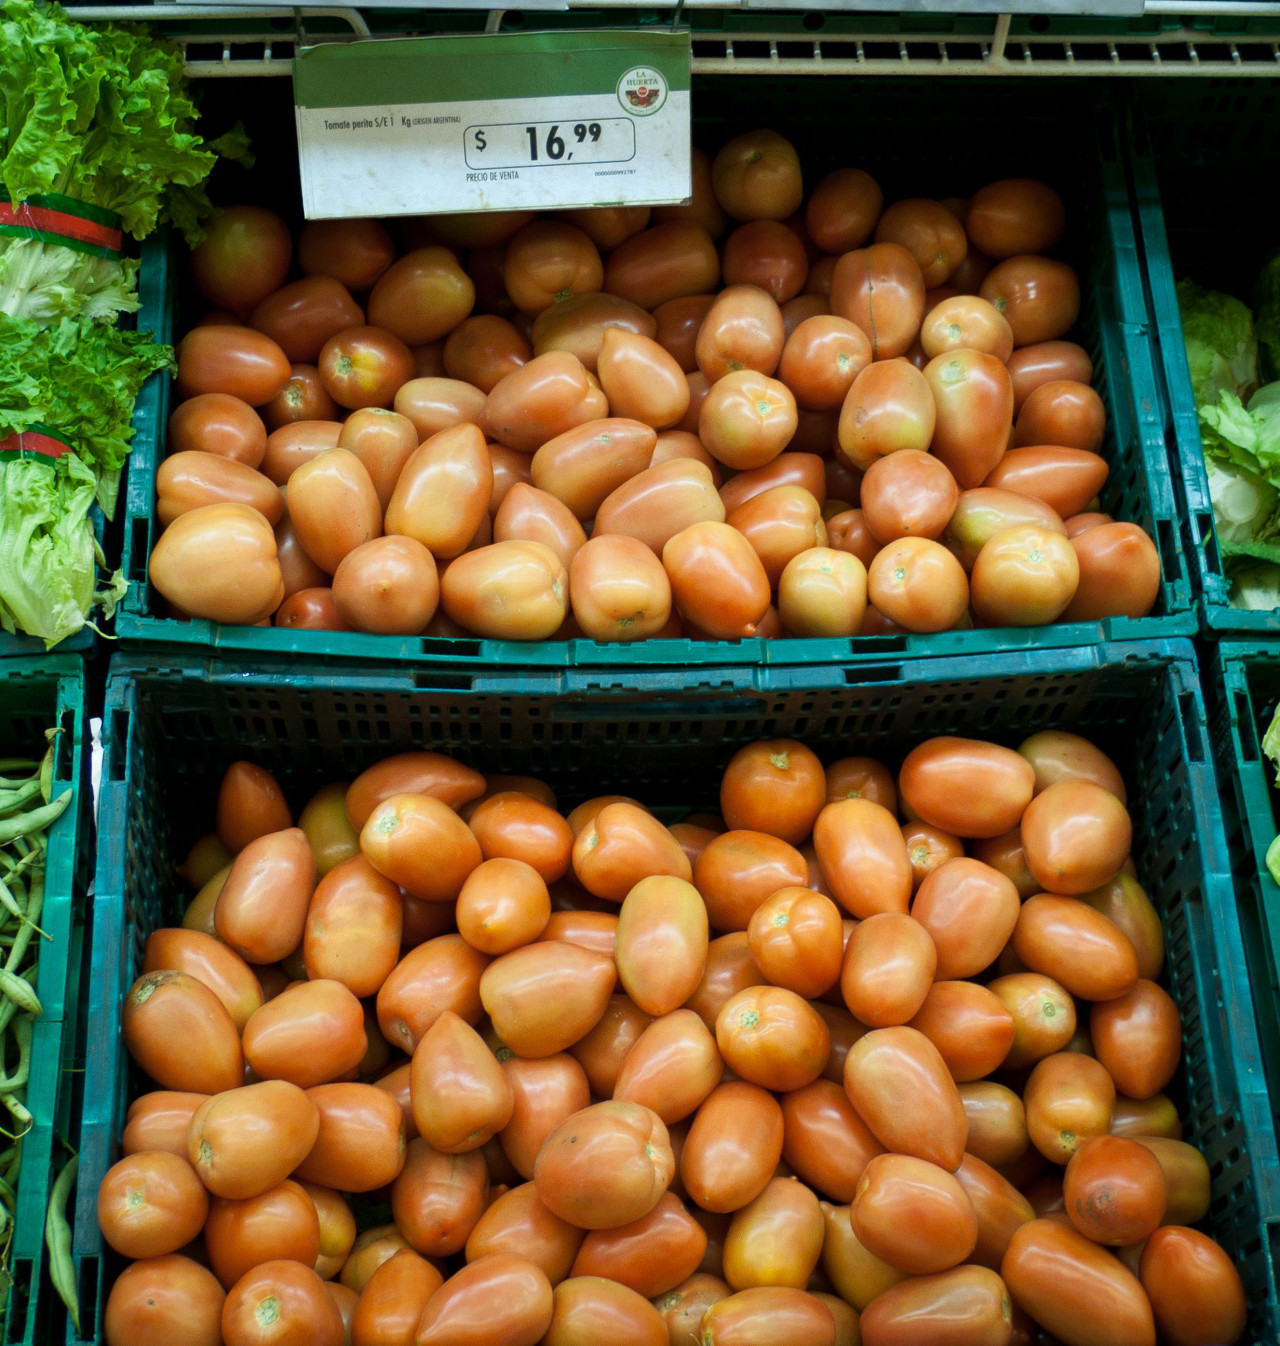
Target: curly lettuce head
x=1222, y=348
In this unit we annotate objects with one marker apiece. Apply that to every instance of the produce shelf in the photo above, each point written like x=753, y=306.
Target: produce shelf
x=1244, y=693
x=1194, y=40
x=1198, y=217
x=1072, y=133
x=36, y=695
x=172, y=727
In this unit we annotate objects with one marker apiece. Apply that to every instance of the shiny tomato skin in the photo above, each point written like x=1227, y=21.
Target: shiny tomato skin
x=517, y=1222
x=353, y=252
x=796, y=940
x=881, y=290
x=918, y=584
x=863, y=857
x=889, y=964
x=672, y=1068
x=151, y=1204
x=966, y=1306
x=543, y=997
x=589, y=1309
x=857, y=1274
x=360, y=1146
x=442, y=973
x=888, y=1064
x=968, y=1025
x=649, y=1256
x=1138, y=1037
x=498, y=1297
x=179, y=1032
x=208, y=960
x=913, y=1214
x=364, y=367
x=232, y=360
x=301, y=316
x=605, y=1166
x=1024, y=576
x=1120, y=573
x=244, y=257
x=732, y=1148
x=393, y=1299
x=1076, y=1289
x=730, y=969
x=1194, y=1288
x=164, y=1301
x=889, y=407
x=159, y=1121
x=775, y=1239
x=1039, y=296
x=437, y=1198
x=422, y=296
x=843, y=210
x=974, y=398
x=353, y=928
x=968, y=787
x=661, y=948
x=739, y=869
x=459, y=1094
x=282, y=1303
x=671, y=259
x=1076, y=835
x=970, y=911
x=824, y=1141
x=603, y=1051
x=1114, y=1191
x=309, y=1034
x=1068, y=940
x=999, y=1207
x=545, y=1092
x=764, y=1315
x=279, y=1224
x=1044, y=1016
x=1069, y=1098
x=246, y=1140
x=1015, y=215
x=771, y=1037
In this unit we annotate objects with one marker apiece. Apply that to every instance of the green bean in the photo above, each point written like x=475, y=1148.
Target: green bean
x=23, y=938
x=19, y=1111
x=36, y=820
x=12, y=800
x=57, y=1237
x=18, y=989
x=18, y=764
x=18, y=1080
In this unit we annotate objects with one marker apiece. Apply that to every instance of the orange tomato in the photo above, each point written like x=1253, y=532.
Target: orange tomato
x=544, y=1093
x=863, y=857
x=732, y=1147
x=1138, y=1037
x=1068, y=1097
x=771, y=1037
x=913, y=1214
x=881, y=290
x=543, y=997
x=497, y=1296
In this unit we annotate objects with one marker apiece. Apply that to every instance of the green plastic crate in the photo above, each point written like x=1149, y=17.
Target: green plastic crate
x=1070, y=132
x=1195, y=149
x=1244, y=694
x=172, y=728
x=36, y=695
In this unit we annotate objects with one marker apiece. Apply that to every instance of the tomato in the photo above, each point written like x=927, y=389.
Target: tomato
x=881, y=290
x=766, y=254
x=677, y=323
x=889, y=1064
x=1068, y=940
x=337, y=1229
x=765, y=1314
x=151, y=1204
x=1076, y=835
x=1024, y=576
x=913, y=1214
x=1015, y=215
x=158, y=1121
x=929, y=232
x=1076, y=1289
x=649, y=1256
x=733, y=1147
x=672, y=1067
x=757, y=177
x=888, y=967
x=843, y=210
x=353, y=252
x=1186, y=1175
x=432, y=404
x=969, y=323
x=771, y=1037
x=999, y=1207
x=928, y=848
x=918, y=584
x=1194, y=1288
x=821, y=359
x=822, y=592
x=590, y=1309
x=861, y=778
x=1123, y=902
x=517, y=1222
x=428, y=773
x=235, y=361
x=244, y=256
x=1138, y=1037
x=730, y=969
x=437, y=1198
x=548, y=262
x=775, y=1239
x=661, y=946
x=164, y=1301
x=393, y=1299
x=620, y=846
x=742, y=330
x=530, y=515
x=1068, y=1097
x=1057, y=755
x=503, y=904
x=780, y=524
x=1155, y=1116
x=279, y=1224
x=973, y=395
x=966, y=786
x=907, y=494
x=209, y=961
x=1114, y=1190
x=179, y=1032
x=422, y=297
x=283, y=1303
x=387, y=586
x=1040, y=297
x=364, y=367
x=863, y=857
x=969, y=1026
x=702, y=208
x=603, y=1051
x=245, y=1141
x=747, y=419
x=795, y=938
x=302, y=316
x=509, y=467
x=443, y=973
x=220, y=424
x=1046, y=362
x=544, y=1093
x=295, y=444
x=668, y=261
x=982, y=513
x=459, y=1093
x=1119, y=573
x=543, y=997
x=966, y=1304
x=1044, y=1016
x=739, y=869
x=806, y=470
x=824, y=1140
x=334, y=507
x=682, y=1308
x=582, y=467
x=717, y=581
x=369, y=1251
x=513, y=826
x=659, y=502
x=548, y=396
x=484, y=348
x=857, y=1274
x=1062, y=413
x=310, y=1033
x=618, y=589
x=608, y=226
x=420, y=843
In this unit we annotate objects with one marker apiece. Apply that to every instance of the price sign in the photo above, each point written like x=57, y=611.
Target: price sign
x=494, y=121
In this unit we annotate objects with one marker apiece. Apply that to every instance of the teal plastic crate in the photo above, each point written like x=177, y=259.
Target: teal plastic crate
x=1244, y=694
x=36, y=695
x=172, y=728
x=1195, y=147
x=1069, y=132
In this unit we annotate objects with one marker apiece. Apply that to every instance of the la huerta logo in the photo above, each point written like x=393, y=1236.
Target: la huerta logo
x=642, y=91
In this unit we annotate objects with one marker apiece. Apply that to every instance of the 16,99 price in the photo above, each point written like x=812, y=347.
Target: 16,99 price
x=547, y=144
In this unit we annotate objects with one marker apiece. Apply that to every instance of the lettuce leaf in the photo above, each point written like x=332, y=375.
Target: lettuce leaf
x=1222, y=349
x=79, y=379
x=48, y=552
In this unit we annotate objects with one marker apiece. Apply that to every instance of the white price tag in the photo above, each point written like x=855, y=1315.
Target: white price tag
x=493, y=122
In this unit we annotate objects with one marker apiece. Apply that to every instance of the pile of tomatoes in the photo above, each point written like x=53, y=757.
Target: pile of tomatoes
x=797, y=1072
x=529, y=428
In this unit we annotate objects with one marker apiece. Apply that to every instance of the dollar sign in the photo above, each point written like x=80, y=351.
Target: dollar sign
x=481, y=143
